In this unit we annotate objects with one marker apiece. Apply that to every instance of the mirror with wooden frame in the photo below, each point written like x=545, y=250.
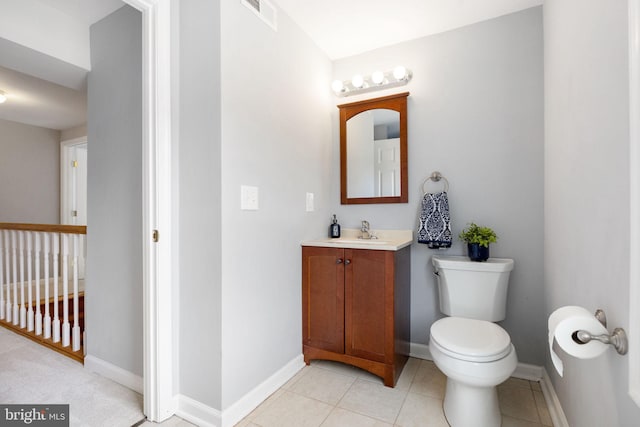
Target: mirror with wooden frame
x=373, y=151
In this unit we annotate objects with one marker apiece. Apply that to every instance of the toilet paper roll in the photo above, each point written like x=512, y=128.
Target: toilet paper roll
x=563, y=323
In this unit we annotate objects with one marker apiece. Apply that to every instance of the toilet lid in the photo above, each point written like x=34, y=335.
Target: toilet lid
x=471, y=339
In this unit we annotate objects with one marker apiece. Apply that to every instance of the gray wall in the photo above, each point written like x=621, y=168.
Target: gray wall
x=276, y=134
x=30, y=174
x=199, y=203
x=114, y=202
x=586, y=195
x=475, y=114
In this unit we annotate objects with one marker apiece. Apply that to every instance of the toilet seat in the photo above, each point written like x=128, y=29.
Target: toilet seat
x=470, y=339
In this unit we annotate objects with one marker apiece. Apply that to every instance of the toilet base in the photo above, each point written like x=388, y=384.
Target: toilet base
x=470, y=406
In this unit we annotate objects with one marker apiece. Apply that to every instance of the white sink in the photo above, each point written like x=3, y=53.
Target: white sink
x=388, y=240
x=358, y=241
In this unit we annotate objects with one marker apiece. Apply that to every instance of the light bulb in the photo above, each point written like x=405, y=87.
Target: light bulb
x=337, y=86
x=399, y=72
x=3, y=97
x=377, y=77
x=357, y=81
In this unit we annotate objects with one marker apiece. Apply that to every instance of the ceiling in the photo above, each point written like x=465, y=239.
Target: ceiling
x=56, y=97
x=85, y=11
x=344, y=28
x=42, y=90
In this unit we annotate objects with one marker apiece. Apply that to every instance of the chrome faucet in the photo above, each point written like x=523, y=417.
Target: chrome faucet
x=365, y=230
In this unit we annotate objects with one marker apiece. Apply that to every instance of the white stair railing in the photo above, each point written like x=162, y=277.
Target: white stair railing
x=55, y=324
x=66, y=330
x=37, y=255
x=76, y=302
x=46, y=252
x=7, y=255
x=2, y=305
x=14, y=254
x=29, y=256
x=22, y=248
x=23, y=310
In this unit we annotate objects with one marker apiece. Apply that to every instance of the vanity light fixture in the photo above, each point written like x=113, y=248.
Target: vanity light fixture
x=337, y=86
x=377, y=78
x=3, y=96
x=377, y=81
x=357, y=81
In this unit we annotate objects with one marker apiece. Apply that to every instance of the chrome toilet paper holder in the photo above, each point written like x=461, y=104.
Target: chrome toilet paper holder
x=618, y=339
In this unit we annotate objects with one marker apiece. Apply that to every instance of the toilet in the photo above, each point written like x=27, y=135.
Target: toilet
x=473, y=352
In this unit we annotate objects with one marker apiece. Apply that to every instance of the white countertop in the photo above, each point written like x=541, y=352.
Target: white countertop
x=387, y=240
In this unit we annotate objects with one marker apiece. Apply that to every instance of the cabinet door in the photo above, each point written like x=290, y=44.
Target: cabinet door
x=323, y=298
x=369, y=303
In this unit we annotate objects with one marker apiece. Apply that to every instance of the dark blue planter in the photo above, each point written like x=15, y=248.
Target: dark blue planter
x=477, y=252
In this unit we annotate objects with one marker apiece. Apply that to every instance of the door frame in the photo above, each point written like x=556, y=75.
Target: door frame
x=634, y=200
x=160, y=402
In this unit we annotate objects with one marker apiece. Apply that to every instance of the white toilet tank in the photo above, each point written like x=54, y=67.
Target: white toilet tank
x=476, y=290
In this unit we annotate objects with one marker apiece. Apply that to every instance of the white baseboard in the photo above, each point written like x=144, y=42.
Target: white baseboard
x=205, y=416
x=259, y=394
x=529, y=372
x=114, y=373
x=198, y=413
x=419, y=351
x=553, y=403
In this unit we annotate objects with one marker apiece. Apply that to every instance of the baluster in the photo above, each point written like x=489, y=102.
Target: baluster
x=7, y=255
x=29, y=255
x=2, y=284
x=14, y=254
x=76, y=324
x=23, y=310
x=65, y=291
x=47, y=314
x=56, y=260
x=36, y=253
x=83, y=255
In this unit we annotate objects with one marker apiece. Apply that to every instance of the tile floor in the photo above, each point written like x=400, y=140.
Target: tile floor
x=330, y=394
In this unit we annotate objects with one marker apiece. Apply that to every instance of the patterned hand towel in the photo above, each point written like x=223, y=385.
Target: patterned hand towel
x=435, y=226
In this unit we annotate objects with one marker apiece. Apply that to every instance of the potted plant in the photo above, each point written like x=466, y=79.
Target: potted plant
x=478, y=239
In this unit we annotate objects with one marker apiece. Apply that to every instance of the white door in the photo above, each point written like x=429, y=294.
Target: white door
x=73, y=186
x=386, y=167
x=79, y=185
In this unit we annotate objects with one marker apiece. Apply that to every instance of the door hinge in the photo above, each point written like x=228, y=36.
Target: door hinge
x=74, y=213
x=74, y=163
x=156, y=236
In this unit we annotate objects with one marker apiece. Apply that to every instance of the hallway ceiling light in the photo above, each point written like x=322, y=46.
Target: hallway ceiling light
x=377, y=81
x=3, y=96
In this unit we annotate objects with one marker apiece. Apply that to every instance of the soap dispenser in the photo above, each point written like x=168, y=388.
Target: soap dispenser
x=334, y=228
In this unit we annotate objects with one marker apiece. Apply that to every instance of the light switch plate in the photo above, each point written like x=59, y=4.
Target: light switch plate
x=310, y=206
x=248, y=198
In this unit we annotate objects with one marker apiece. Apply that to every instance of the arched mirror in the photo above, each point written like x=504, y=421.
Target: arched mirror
x=373, y=151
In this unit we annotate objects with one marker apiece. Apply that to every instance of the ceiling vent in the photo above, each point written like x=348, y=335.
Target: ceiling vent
x=265, y=11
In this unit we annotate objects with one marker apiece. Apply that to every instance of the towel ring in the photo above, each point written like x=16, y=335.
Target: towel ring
x=436, y=177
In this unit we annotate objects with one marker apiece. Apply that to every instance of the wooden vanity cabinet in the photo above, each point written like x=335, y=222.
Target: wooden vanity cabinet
x=356, y=308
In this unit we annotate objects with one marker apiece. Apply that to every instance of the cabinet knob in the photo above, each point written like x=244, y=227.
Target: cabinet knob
x=347, y=261
x=339, y=261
